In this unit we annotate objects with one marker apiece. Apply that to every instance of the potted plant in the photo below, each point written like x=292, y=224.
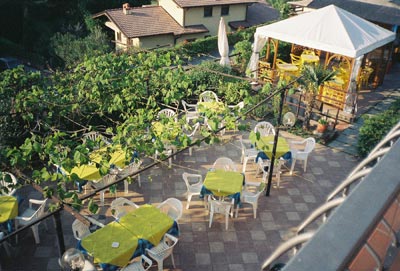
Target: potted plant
x=322, y=125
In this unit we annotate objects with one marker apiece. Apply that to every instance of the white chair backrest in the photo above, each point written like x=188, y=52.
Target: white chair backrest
x=266, y=163
x=310, y=144
x=7, y=183
x=186, y=176
x=220, y=207
x=224, y=163
x=117, y=206
x=91, y=135
x=79, y=229
x=208, y=96
x=107, y=179
x=172, y=207
x=265, y=128
x=166, y=112
x=189, y=107
x=133, y=167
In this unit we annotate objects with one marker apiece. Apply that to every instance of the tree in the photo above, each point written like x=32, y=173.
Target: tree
x=312, y=78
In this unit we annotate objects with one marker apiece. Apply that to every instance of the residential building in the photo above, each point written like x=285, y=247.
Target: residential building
x=174, y=21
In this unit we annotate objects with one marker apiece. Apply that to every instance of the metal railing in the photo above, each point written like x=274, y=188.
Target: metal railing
x=351, y=238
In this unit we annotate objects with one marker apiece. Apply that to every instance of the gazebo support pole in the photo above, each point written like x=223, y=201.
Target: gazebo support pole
x=276, y=45
x=267, y=53
x=271, y=166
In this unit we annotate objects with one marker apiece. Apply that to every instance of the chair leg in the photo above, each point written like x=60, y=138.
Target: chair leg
x=278, y=179
x=292, y=167
x=226, y=220
x=255, y=210
x=172, y=259
x=305, y=164
x=190, y=151
x=126, y=189
x=245, y=159
x=211, y=219
x=160, y=265
x=188, y=200
x=138, y=180
x=102, y=197
x=35, y=230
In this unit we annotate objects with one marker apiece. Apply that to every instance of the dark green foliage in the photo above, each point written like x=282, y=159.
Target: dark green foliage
x=376, y=127
x=244, y=51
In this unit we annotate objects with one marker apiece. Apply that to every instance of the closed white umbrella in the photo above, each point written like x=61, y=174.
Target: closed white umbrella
x=223, y=46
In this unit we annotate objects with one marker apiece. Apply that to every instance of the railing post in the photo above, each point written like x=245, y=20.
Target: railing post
x=271, y=166
x=59, y=232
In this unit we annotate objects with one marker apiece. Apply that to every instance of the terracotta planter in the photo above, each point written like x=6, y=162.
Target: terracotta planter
x=321, y=128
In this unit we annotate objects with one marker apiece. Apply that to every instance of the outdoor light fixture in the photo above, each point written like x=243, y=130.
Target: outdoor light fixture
x=72, y=260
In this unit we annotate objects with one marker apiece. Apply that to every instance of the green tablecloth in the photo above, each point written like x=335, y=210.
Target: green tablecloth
x=99, y=244
x=91, y=172
x=266, y=144
x=223, y=183
x=215, y=107
x=147, y=222
x=8, y=208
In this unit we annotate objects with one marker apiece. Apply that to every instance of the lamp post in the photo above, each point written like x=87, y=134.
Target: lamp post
x=271, y=167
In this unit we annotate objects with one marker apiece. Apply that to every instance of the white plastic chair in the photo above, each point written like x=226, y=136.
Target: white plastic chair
x=93, y=137
x=208, y=96
x=193, y=189
x=144, y=264
x=130, y=170
x=163, y=250
x=265, y=165
x=250, y=197
x=118, y=207
x=247, y=154
x=265, y=128
x=191, y=112
x=220, y=207
x=107, y=179
x=30, y=215
x=237, y=107
x=224, y=163
x=172, y=207
x=192, y=135
x=169, y=113
x=80, y=229
x=7, y=188
x=301, y=154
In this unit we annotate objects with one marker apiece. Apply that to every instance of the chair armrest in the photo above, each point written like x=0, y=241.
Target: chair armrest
x=36, y=201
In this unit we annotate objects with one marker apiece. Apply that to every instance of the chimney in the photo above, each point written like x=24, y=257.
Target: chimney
x=126, y=8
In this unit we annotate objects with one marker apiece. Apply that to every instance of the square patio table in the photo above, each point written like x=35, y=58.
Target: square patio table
x=223, y=183
x=266, y=144
x=8, y=208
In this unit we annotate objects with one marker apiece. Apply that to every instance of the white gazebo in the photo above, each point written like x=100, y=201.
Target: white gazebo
x=330, y=29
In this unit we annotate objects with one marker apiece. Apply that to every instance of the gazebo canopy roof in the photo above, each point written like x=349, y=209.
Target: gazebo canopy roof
x=330, y=29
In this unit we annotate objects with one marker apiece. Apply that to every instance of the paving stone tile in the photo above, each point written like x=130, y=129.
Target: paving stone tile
x=229, y=236
x=217, y=247
x=294, y=216
x=236, y=267
x=265, y=216
x=301, y=207
x=319, y=158
x=309, y=198
x=317, y=171
x=284, y=199
x=43, y=251
x=258, y=235
x=203, y=258
x=293, y=192
x=250, y=257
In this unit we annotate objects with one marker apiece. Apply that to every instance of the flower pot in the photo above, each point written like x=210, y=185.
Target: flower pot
x=321, y=128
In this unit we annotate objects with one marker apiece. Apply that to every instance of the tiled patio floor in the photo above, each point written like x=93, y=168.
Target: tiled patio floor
x=247, y=242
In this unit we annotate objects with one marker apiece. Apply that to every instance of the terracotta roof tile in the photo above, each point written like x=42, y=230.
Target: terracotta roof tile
x=202, y=3
x=148, y=21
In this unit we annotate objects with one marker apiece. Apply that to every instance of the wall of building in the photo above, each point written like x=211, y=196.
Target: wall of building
x=190, y=37
x=156, y=41
x=174, y=10
x=195, y=16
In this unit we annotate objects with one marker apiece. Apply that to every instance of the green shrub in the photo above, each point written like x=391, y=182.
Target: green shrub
x=376, y=127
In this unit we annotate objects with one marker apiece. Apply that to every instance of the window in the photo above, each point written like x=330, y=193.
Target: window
x=118, y=36
x=207, y=11
x=224, y=10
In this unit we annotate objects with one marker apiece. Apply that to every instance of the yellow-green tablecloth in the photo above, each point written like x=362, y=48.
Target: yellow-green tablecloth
x=167, y=131
x=266, y=144
x=99, y=244
x=91, y=172
x=8, y=208
x=148, y=223
x=223, y=183
x=216, y=107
